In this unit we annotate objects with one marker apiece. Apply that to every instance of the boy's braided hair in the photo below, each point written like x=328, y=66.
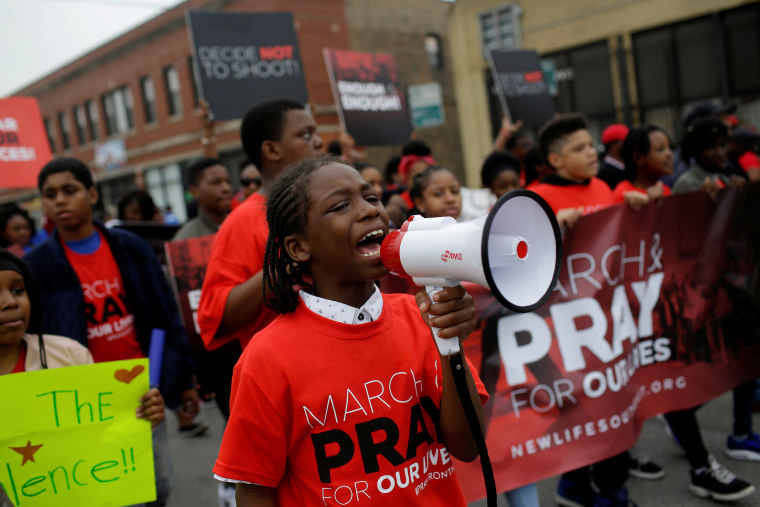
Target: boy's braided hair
x=287, y=210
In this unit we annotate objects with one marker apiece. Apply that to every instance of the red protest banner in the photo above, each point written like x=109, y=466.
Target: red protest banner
x=655, y=311
x=24, y=146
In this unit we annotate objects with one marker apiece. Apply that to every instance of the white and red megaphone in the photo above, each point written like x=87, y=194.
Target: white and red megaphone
x=514, y=250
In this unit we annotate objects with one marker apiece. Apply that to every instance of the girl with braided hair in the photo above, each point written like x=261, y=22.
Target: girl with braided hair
x=344, y=397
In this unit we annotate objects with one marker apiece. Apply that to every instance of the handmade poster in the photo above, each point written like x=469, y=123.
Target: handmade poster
x=655, y=310
x=70, y=436
x=242, y=59
x=371, y=105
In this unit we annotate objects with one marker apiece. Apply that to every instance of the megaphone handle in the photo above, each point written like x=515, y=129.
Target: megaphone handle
x=446, y=346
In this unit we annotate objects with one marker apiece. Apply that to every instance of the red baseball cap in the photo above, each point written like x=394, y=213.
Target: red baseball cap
x=614, y=132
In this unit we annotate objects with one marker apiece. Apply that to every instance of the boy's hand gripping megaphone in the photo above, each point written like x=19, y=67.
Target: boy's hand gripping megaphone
x=514, y=250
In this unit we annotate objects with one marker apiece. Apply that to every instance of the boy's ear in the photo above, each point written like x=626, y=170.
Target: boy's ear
x=92, y=194
x=637, y=158
x=554, y=159
x=297, y=248
x=271, y=150
x=194, y=191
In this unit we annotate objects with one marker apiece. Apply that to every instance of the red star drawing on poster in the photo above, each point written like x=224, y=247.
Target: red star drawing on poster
x=27, y=451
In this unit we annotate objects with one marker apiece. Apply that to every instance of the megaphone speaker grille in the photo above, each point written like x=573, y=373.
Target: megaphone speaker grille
x=521, y=250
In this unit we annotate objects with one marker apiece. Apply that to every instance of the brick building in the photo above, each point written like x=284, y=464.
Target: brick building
x=135, y=96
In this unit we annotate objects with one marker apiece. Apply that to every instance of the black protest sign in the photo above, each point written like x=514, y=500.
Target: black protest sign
x=242, y=59
x=521, y=86
x=368, y=96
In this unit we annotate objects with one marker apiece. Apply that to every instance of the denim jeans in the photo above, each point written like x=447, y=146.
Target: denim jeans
x=524, y=496
x=163, y=467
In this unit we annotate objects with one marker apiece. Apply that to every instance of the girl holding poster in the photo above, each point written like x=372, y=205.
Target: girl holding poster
x=23, y=347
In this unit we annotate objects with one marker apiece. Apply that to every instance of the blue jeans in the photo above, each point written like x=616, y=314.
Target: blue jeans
x=524, y=496
x=163, y=467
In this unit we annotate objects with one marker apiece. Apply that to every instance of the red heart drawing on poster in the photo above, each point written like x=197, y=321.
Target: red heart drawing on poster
x=127, y=376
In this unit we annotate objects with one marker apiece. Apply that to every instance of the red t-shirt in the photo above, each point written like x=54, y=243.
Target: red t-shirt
x=312, y=400
x=626, y=186
x=111, y=334
x=591, y=196
x=236, y=255
x=21, y=363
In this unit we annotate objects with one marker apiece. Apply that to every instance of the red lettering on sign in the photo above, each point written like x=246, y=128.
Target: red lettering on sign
x=534, y=77
x=276, y=52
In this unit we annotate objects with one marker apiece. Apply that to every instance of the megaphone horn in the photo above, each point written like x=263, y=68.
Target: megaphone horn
x=514, y=250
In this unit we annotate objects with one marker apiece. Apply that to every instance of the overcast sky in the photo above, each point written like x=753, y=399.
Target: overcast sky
x=39, y=36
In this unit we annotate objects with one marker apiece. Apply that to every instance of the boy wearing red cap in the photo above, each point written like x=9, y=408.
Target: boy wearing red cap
x=611, y=170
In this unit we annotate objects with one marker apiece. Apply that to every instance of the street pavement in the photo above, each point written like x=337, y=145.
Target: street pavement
x=194, y=484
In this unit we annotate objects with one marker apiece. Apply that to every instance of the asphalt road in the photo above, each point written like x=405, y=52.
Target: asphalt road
x=194, y=484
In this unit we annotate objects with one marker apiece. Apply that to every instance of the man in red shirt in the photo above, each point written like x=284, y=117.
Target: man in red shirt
x=274, y=134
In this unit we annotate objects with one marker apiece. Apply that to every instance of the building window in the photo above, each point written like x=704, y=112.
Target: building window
x=50, y=131
x=173, y=96
x=584, y=80
x=149, y=98
x=129, y=106
x=433, y=51
x=654, y=63
x=697, y=59
x=743, y=49
x=677, y=65
x=119, y=106
x=108, y=107
x=80, y=120
x=500, y=28
x=93, y=119
x=65, y=126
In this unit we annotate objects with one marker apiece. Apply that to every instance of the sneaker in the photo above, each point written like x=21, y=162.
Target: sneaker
x=641, y=467
x=716, y=482
x=571, y=493
x=194, y=429
x=746, y=448
x=226, y=494
x=617, y=498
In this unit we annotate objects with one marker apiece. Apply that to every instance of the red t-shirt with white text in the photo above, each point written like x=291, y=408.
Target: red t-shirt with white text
x=342, y=415
x=111, y=334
